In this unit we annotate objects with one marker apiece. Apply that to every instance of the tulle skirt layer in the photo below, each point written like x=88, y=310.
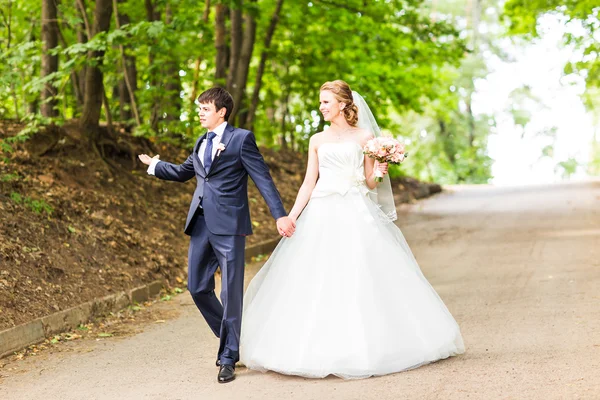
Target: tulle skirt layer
x=344, y=296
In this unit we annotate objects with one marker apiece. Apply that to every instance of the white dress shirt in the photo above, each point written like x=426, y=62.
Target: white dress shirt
x=216, y=140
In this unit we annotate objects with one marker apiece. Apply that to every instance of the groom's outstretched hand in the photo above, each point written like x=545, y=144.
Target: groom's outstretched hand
x=286, y=226
x=146, y=159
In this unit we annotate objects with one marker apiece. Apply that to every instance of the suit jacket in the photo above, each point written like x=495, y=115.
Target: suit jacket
x=223, y=191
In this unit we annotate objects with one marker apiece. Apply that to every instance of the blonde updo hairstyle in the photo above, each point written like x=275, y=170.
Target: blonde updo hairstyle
x=342, y=92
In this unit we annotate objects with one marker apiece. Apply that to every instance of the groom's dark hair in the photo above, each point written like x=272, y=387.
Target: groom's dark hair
x=219, y=97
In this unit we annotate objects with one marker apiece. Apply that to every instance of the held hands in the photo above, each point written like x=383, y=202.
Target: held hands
x=286, y=226
x=146, y=159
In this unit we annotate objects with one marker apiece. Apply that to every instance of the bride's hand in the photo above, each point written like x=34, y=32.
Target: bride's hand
x=285, y=226
x=382, y=167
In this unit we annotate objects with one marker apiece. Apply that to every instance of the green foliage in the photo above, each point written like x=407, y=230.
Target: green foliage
x=5, y=147
x=594, y=163
x=37, y=206
x=446, y=139
x=582, y=15
x=18, y=65
x=407, y=60
x=592, y=100
x=16, y=197
x=567, y=168
x=396, y=171
x=9, y=177
x=582, y=23
x=35, y=122
x=390, y=57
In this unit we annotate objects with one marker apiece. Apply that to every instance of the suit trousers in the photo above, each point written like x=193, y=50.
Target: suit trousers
x=208, y=251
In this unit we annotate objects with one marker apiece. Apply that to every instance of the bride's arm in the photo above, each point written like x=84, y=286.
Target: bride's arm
x=371, y=166
x=310, y=180
x=370, y=172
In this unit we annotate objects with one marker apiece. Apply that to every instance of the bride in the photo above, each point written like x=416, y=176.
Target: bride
x=344, y=296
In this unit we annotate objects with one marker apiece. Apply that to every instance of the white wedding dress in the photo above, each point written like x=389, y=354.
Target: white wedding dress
x=345, y=295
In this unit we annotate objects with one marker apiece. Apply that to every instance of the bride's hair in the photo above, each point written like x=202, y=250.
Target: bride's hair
x=342, y=92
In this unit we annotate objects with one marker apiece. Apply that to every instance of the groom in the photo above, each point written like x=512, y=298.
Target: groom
x=219, y=217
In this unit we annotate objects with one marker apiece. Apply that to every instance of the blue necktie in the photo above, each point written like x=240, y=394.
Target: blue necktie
x=208, y=150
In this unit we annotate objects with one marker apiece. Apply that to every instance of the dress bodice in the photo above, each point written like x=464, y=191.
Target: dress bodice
x=341, y=168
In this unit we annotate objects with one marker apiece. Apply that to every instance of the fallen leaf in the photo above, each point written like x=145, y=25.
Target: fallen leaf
x=46, y=179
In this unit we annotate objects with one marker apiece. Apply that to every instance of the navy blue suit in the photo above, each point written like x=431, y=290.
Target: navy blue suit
x=218, y=229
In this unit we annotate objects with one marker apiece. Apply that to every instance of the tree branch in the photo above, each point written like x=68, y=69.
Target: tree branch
x=206, y=11
x=125, y=71
x=261, y=66
x=84, y=15
x=8, y=22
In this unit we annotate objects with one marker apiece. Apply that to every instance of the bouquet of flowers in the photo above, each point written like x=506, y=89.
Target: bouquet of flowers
x=385, y=150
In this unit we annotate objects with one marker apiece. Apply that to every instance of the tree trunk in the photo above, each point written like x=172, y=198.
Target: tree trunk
x=127, y=85
x=284, y=113
x=125, y=113
x=94, y=94
x=476, y=18
x=7, y=20
x=447, y=142
x=49, y=62
x=261, y=65
x=173, y=85
x=127, y=90
x=220, y=44
x=235, y=16
x=82, y=38
x=33, y=105
x=13, y=90
x=243, y=66
x=152, y=14
x=206, y=11
x=74, y=75
x=470, y=117
x=196, y=78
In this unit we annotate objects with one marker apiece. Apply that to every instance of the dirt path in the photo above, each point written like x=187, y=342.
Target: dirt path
x=519, y=268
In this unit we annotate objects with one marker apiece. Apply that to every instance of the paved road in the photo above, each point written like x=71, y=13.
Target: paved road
x=519, y=268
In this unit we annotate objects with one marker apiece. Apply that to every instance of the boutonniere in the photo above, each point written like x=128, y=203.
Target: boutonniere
x=220, y=148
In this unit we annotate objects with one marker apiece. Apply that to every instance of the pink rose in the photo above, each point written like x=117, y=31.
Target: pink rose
x=372, y=146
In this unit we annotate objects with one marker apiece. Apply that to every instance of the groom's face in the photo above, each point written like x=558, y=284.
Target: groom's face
x=210, y=117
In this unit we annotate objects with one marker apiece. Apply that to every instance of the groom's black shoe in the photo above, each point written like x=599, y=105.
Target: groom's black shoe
x=226, y=373
x=218, y=363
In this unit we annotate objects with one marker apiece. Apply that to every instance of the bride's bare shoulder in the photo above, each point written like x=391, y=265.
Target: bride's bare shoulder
x=364, y=136
x=317, y=139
